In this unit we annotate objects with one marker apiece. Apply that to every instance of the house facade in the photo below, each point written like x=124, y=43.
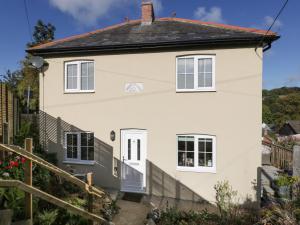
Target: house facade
x=290, y=130
x=165, y=106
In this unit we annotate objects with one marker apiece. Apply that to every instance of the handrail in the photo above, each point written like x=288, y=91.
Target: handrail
x=20, y=151
x=52, y=199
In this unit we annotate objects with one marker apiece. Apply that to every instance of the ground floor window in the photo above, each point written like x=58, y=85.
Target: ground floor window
x=79, y=146
x=196, y=153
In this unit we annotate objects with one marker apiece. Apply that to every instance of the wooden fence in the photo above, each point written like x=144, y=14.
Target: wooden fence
x=281, y=157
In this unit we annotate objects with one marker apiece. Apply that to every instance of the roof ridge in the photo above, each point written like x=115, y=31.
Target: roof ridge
x=73, y=37
x=219, y=25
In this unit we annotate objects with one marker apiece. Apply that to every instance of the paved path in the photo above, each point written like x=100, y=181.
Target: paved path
x=131, y=213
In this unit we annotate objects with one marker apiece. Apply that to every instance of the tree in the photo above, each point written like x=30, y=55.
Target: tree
x=267, y=116
x=30, y=76
x=12, y=79
x=42, y=33
x=280, y=105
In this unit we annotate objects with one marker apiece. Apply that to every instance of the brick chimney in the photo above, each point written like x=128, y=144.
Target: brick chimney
x=147, y=13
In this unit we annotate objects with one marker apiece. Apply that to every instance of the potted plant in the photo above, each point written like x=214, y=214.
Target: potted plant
x=11, y=199
x=5, y=213
x=284, y=184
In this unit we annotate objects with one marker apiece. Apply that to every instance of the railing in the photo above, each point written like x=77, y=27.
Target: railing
x=30, y=190
x=281, y=157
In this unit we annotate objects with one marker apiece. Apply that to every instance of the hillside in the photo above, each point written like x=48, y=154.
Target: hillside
x=281, y=104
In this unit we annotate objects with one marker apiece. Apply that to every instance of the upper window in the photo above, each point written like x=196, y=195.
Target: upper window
x=79, y=76
x=196, y=73
x=196, y=153
x=79, y=146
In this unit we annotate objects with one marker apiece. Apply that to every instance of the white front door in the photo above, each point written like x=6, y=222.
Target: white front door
x=133, y=158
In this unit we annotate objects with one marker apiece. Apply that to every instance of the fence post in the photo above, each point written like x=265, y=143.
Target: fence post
x=296, y=160
x=89, y=179
x=28, y=180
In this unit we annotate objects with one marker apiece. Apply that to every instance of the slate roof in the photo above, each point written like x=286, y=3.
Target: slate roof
x=163, y=32
x=295, y=124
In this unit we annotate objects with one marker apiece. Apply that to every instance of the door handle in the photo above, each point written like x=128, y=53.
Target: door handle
x=123, y=158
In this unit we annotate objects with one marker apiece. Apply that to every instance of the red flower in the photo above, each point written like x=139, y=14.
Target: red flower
x=13, y=163
x=23, y=160
x=8, y=167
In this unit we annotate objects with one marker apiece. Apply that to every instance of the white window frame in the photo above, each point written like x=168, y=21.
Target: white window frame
x=78, y=89
x=196, y=88
x=78, y=160
x=197, y=168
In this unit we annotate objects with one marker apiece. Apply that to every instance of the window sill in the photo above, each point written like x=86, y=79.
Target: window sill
x=79, y=92
x=80, y=162
x=195, y=90
x=197, y=170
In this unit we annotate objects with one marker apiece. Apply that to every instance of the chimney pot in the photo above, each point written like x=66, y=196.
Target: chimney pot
x=147, y=13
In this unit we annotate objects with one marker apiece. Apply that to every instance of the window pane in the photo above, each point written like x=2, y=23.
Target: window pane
x=72, y=76
x=189, y=65
x=190, y=146
x=129, y=149
x=209, y=162
x=84, y=76
x=83, y=153
x=90, y=76
x=138, y=149
x=201, y=159
x=75, y=152
x=90, y=138
x=71, y=146
x=186, y=151
x=74, y=139
x=201, y=66
x=190, y=159
x=201, y=81
x=181, y=81
x=69, y=139
x=90, y=153
x=69, y=152
x=83, y=139
x=201, y=147
x=208, y=145
x=189, y=81
x=181, y=145
x=208, y=65
x=181, y=66
x=181, y=158
x=208, y=79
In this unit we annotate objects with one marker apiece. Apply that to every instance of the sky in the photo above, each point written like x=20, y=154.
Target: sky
x=281, y=63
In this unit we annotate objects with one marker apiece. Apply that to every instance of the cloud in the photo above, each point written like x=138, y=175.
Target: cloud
x=214, y=14
x=87, y=12
x=293, y=80
x=84, y=11
x=268, y=20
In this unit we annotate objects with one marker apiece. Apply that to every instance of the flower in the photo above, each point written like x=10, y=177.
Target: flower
x=8, y=167
x=13, y=163
x=5, y=174
x=23, y=160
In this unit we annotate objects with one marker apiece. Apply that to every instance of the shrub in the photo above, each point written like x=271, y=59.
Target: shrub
x=225, y=200
x=285, y=180
x=47, y=217
x=12, y=167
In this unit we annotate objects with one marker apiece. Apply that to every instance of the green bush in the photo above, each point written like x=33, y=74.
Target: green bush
x=47, y=217
x=285, y=180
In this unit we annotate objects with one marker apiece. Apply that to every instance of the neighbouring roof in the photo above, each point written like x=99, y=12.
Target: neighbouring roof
x=163, y=32
x=295, y=125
